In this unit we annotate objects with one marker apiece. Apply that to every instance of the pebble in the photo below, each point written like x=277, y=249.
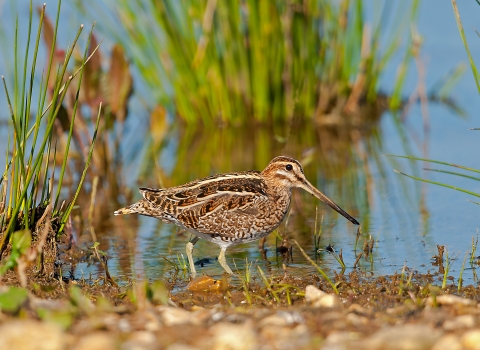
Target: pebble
x=140, y=340
x=448, y=342
x=459, y=322
x=95, y=341
x=282, y=318
x=31, y=335
x=471, y=339
x=227, y=336
x=320, y=299
x=339, y=340
x=285, y=337
x=360, y=310
x=449, y=299
x=180, y=347
x=356, y=320
x=173, y=316
x=413, y=336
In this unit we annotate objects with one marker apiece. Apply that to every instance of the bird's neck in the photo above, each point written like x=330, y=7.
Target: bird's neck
x=278, y=191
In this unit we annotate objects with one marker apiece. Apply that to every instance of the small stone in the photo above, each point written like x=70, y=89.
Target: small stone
x=356, y=320
x=448, y=342
x=360, y=310
x=124, y=325
x=141, y=340
x=228, y=336
x=172, y=316
x=341, y=340
x=286, y=337
x=403, y=337
x=321, y=299
x=282, y=318
x=273, y=320
x=471, y=339
x=96, y=341
x=459, y=322
x=180, y=347
x=29, y=334
x=449, y=299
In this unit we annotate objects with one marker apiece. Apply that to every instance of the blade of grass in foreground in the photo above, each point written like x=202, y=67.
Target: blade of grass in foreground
x=439, y=184
x=454, y=173
x=67, y=212
x=317, y=267
x=476, y=75
x=72, y=121
x=435, y=161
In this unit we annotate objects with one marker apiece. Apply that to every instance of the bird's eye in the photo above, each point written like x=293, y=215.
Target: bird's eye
x=289, y=167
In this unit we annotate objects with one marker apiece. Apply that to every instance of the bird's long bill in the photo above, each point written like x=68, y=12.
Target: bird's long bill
x=307, y=186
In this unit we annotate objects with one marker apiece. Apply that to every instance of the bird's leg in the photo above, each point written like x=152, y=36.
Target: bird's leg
x=261, y=247
x=190, y=245
x=223, y=261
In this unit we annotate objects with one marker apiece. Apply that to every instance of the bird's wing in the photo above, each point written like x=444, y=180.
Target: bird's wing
x=215, y=195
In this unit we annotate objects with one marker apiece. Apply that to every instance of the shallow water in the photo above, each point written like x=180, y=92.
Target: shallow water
x=406, y=220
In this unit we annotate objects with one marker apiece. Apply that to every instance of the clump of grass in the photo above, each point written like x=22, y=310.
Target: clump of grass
x=460, y=275
x=448, y=263
x=246, y=279
x=317, y=234
x=334, y=287
x=28, y=179
x=234, y=61
x=339, y=257
x=268, y=285
x=473, y=250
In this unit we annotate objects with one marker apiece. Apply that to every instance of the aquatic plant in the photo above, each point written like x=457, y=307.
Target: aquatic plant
x=455, y=173
x=473, y=66
x=31, y=164
x=240, y=61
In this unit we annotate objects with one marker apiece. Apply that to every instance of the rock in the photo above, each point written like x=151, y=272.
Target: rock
x=448, y=342
x=471, y=339
x=228, y=336
x=341, y=340
x=172, y=316
x=356, y=320
x=282, y=318
x=321, y=299
x=286, y=337
x=360, y=310
x=140, y=340
x=403, y=337
x=180, y=347
x=32, y=335
x=96, y=341
x=449, y=299
x=459, y=322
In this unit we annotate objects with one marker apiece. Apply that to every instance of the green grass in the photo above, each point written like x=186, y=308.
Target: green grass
x=473, y=66
x=240, y=61
x=455, y=173
x=30, y=170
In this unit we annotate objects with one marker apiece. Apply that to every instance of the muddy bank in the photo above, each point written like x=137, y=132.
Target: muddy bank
x=395, y=312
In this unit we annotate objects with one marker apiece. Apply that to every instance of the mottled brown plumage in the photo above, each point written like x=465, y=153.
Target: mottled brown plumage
x=232, y=208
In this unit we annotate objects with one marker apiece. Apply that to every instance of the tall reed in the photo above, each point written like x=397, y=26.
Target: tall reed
x=30, y=168
x=243, y=60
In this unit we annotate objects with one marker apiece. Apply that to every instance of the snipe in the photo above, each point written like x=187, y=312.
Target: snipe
x=229, y=209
